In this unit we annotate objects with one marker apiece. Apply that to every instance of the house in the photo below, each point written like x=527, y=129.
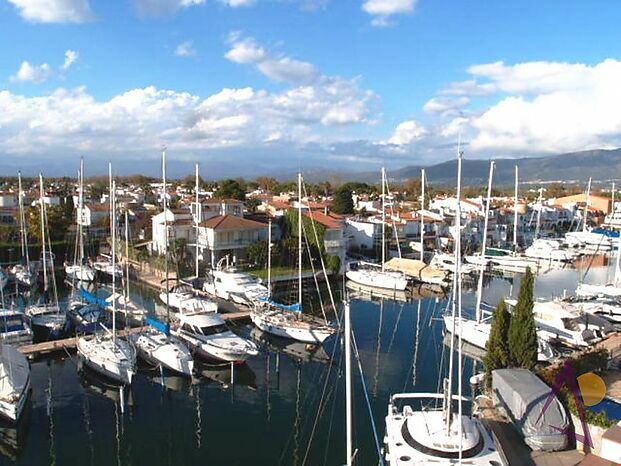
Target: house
x=362, y=234
x=9, y=215
x=334, y=234
x=8, y=199
x=227, y=234
x=177, y=223
x=217, y=208
x=603, y=204
x=93, y=213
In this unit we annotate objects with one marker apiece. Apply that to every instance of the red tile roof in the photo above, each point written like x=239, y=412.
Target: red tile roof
x=231, y=222
x=327, y=220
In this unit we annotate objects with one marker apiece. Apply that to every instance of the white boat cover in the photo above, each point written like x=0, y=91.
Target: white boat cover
x=524, y=396
x=14, y=373
x=416, y=269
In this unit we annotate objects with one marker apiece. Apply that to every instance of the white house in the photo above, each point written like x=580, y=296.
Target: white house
x=178, y=223
x=92, y=213
x=362, y=234
x=8, y=199
x=218, y=207
x=227, y=234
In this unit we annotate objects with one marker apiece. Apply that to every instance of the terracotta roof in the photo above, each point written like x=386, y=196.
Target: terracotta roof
x=327, y=220
x=231, y=222
x=98, y=207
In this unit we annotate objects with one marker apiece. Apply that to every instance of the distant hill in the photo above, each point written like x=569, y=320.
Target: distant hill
x=602, y=165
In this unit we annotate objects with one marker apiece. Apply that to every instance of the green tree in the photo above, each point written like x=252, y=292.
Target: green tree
x=178, y=255
x=522, y=333
x=257, y=254
x=342, y=202
x=231, y=189
x=251, y=205
x=497, y=355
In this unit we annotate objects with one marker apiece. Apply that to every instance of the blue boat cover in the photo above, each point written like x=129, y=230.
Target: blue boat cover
x=608, y=233
x=92, y=299
x=285, y=307
x=158, y=325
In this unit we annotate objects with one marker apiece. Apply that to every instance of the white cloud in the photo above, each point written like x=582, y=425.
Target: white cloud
x=446, y=105
x=54, y=11
x=238, y=3
x=70, y=57
x=32, y=73
x=540, y=107
x=406, y=133
x=275, y=67
x=185, y=49
x=383, y=10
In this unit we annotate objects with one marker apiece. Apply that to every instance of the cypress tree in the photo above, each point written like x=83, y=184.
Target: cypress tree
x=522, y=332
x=497, y=355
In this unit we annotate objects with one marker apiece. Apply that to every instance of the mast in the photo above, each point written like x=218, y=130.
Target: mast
x=196, y=219
x=165, y=204
x=299, y=239
x=515, y=213
x=586, y=206
x=126, y=261
x=422, y=216
x=22, y=221
x=113, y=233
x=348, y=397
x=448, y=403
x=484, y=245
x=81, y=205
x=43, y=249
x=269, y=258
x=383, y=217
x=540, y=202
x=613, y=199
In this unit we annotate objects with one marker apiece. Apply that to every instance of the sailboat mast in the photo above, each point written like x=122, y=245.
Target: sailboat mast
x=515, y=212
x=586, y=206
x=300, y=239
x=540, y=202
x=81, y=210
x=22, y=220
x=126, y=260
x=269, y=258
x=113, y=234
x=196, y=219
x=42, y=206
x=165, y=205
x=348, y=397
x=422, y=216
x=383, y=217
x=484, y=245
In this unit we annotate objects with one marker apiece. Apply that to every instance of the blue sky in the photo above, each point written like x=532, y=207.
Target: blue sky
x=268, y=86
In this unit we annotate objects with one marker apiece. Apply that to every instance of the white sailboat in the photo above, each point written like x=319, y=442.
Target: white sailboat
x=608, y=290
x=288, y=321
x=156, y=345
x=368, y=274
x=80, y=270
x=105, y=352
x=22, y=273
x=586, y=238
x=439, y=435
x=14, y=382
x=46, y=316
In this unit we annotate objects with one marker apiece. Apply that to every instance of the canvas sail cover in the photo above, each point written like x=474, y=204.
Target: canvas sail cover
x=523, y=395
x=415, y=268
x=14, y=373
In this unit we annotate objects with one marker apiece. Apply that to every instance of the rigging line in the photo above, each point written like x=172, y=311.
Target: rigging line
x=392, y=214
x=378, y=347
x=321, y=400
x=329, y=433
x=367, y=400
x=316, y=280
x=394, y=330
x=323, y=265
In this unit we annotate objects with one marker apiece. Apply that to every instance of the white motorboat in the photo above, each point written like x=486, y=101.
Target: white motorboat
x=14, y=328
x=368, y=274
x=14, y=382
x=159, y=349
x=22, y=274
x=446, y=262
x=109, y=356
x=477, y=334
x=183, y=298
x=589, y=240
x=232, y=285
x=556, y=320
x=610, y=290
x=549, y=250
x=125, y=306
x=210, y=338
x=103, y=264
x=79, y=272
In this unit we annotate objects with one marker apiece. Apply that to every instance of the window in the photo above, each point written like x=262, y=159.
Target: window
x=212, y=330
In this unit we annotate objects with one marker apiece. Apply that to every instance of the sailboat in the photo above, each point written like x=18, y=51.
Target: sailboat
x=376, y=275
x=14, y=382
x=288, y=321
x=105, y=353
x=46, y=316
x=22, y=272
x=587, y=238
x=80, y=270
x=430, y=435
x=156, y=345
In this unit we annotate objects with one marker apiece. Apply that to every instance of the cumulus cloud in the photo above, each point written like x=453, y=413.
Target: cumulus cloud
x=446, y=105
x=238, y=3
x=163, y=7
x=185, y=49
x=32, y=73
x=275, y=67
x=54, y=11
x=406, y=133
x=70, y=57
x=383, y=10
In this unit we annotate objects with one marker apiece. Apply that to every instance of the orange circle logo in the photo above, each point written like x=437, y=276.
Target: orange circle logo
x=592, y=388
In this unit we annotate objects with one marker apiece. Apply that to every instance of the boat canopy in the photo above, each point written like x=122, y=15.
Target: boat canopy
x=415, y=268
x=201, y=320
x=92, y=299
x=285, y=307
x=158, y=325
x=524, y=396
x=14, y=372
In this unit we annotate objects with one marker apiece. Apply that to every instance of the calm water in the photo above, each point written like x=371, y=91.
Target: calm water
x=272, y=415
